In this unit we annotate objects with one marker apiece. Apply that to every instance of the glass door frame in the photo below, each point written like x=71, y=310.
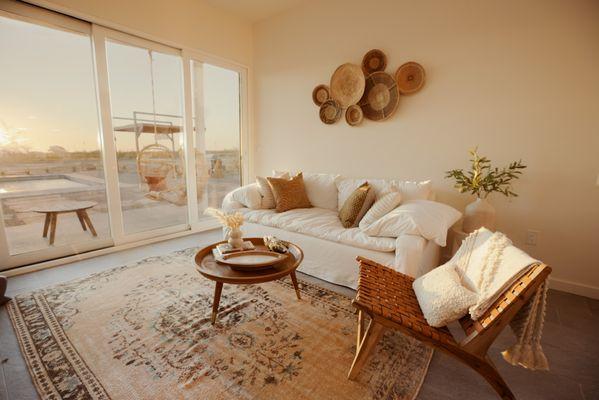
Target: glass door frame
x=39, y=16
x=190, y=56
x=100, y=35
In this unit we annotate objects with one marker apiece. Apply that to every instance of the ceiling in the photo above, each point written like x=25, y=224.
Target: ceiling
x=254, y=10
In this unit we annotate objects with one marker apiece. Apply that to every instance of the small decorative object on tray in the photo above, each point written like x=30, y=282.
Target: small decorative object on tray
x=226, y=248
x=232, y=221
x=275, y=244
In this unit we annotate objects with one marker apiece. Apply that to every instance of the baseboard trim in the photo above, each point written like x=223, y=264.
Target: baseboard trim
x=574, y=288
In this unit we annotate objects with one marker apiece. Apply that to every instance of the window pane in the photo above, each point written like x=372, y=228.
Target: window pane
x=49, y=137
x=146, y=99
x=217, y=132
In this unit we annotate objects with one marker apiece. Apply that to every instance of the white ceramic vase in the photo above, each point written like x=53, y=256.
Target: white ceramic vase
x=477, y=214
x=235, y=239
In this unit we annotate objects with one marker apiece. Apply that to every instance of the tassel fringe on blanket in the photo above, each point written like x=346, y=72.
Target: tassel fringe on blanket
x=528, y=323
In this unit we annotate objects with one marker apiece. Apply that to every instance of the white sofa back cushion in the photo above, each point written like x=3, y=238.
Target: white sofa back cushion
x=322, y=190
x=409, y=190
x=426, y=218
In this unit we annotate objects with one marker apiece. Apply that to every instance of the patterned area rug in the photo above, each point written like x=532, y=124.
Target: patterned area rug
x=143, y=332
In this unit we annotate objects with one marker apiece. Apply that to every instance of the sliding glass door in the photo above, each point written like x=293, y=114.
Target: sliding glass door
x=217, y=132
x=52, y=183
x=146, y=98
x=108, y=138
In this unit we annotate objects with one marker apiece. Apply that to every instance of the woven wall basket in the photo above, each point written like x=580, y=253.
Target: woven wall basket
x=381, y=96
x=410, y=77
x=330, y=112
x=354, y=115
x=373, y=61
x=347, y=84
x=320, y=94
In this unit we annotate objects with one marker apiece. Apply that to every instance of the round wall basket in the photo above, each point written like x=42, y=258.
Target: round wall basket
x=354, y=115
x=410, y=77
x=373, y=61
x=347, y=84
x=381, y=96
x=320, y=94
x=330, y=112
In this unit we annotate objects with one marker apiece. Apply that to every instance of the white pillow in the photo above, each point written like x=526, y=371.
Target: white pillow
x=426, y=218
x=268, y=199
x=248, y=195
x=380, y=208
x=442, y=297
x=322, y=190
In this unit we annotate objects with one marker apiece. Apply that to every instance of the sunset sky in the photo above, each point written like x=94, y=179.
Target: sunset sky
x=48, y=97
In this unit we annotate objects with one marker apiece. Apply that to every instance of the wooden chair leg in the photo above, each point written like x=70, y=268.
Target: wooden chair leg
x=486, y=369
x=46, y=225
x=88, y=221
x=81, y=221
x=53, y=218
x=368, y=343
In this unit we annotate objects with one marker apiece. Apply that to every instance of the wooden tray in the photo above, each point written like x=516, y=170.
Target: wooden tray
x=251, y=260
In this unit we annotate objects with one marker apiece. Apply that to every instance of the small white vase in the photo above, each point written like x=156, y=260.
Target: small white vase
x=235, y=239
x=477, y=214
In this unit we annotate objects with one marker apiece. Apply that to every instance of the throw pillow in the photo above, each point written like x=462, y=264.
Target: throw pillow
x=442, y=297
x=380, y=208
x=426, y=218
x=289, y=193
x=356, y=206
x=268, y=199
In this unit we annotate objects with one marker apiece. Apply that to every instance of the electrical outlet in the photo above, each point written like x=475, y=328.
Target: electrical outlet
x=532, y=237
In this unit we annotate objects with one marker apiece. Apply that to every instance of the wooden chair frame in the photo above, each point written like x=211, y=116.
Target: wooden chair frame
x=396, y=313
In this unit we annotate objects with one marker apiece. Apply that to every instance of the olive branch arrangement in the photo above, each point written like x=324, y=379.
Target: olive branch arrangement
x=482, y=179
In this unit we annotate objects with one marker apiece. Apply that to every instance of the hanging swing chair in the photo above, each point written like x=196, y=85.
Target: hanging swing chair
x=154, y=163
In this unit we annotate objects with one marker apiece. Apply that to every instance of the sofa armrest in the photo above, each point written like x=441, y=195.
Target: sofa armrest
x=409, y=250
x=243, y=196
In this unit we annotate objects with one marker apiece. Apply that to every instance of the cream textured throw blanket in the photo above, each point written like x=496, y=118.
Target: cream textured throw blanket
x=489, y=264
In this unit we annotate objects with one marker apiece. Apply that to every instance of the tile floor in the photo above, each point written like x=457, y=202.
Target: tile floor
x=571, y=340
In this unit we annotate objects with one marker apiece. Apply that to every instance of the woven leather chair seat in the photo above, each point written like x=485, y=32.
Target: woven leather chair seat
x=389, y=294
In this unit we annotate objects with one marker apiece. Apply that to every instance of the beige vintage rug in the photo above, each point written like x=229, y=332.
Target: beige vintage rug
x=143, y=332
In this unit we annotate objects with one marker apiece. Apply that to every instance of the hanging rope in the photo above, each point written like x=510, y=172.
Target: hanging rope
x=153, y=95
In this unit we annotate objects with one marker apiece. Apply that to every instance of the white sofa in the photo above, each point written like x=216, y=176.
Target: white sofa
x=330, y=250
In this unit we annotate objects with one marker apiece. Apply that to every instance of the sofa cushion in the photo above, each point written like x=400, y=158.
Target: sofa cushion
x=322, y=190
x=320, y=223
x=247, y=195
x=381, y=207
x=289, y=193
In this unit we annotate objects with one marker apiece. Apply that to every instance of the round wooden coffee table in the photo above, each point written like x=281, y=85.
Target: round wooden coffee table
x=52, y=210
x=221, y=273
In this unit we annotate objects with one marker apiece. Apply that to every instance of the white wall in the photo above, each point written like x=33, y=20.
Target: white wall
x=188, y=23
x=518, y=78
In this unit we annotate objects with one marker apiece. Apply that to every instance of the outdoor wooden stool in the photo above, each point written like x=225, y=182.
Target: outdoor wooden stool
x=387, y=297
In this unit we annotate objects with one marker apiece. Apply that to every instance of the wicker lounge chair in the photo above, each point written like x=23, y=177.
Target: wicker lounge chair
x=387, y=297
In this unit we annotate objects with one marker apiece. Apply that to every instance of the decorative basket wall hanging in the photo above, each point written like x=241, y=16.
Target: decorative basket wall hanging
x=366, y=90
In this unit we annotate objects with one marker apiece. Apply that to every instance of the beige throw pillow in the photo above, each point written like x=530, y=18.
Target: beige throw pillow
x=268, y=199
x=289, y=193
x=356, y=205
